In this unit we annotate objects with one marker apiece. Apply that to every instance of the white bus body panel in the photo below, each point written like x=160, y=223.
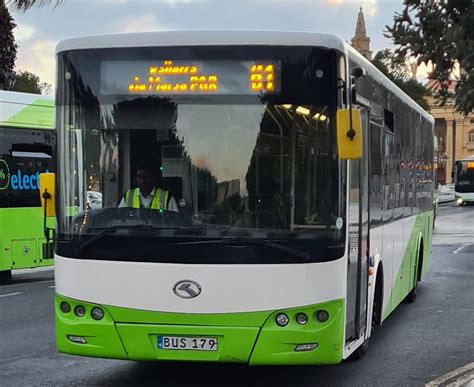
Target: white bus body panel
x=225, y=288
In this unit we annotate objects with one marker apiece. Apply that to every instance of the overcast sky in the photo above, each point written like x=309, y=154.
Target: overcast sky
x=40, y=29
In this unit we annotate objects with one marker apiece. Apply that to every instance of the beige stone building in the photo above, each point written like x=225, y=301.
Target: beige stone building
x=360, y=41
x=455, y=133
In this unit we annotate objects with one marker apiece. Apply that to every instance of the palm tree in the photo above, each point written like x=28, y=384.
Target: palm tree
x=24, y=5
x=7, y=49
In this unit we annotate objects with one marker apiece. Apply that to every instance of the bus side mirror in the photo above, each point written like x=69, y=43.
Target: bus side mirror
x=349, y=134
x=48, y=193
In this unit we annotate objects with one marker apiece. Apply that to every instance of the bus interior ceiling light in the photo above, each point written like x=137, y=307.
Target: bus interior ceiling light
x=286, y=106
x=302, y=110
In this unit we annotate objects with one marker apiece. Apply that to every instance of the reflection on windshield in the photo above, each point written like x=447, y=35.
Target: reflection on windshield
x=241, y=171
x=249, y=166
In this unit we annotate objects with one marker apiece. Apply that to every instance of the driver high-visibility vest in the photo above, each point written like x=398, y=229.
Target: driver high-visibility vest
x=160, y=199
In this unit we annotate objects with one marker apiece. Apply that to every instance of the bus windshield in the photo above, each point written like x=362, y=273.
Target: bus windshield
x=199, y=179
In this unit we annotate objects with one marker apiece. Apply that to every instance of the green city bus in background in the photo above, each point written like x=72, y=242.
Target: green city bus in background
x=27, y=148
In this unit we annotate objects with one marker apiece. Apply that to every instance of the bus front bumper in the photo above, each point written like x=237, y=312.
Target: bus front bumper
x=254, y=338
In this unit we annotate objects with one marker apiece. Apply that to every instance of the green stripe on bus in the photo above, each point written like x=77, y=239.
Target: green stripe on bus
x=40, y=114
x=406, y=273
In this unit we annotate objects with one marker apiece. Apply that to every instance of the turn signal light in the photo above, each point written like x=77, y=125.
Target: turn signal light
x=65, y=307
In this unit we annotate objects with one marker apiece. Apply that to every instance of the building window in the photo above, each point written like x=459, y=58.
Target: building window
x=471, y=136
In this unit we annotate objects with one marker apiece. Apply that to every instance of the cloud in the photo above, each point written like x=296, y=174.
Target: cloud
x=38, y=57
x=143, y=23
x=24, y=32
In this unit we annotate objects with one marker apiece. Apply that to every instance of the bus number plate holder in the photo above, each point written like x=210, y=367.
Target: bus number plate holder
x=187, y=343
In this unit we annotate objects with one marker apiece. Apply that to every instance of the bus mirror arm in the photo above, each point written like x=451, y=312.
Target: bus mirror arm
x=47, y=230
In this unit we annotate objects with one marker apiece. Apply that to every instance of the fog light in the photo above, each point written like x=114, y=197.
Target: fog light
x=306, y=347
x=282, y=319
x=65, y=307
x=322, y=315
x=77, y=339
x=80, y=311
x=97, y=313
x=301, y=318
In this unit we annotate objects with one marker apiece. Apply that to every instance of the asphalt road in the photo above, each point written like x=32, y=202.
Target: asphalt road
x=417, y=343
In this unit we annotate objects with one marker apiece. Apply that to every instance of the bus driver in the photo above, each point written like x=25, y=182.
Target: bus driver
x=148, y=194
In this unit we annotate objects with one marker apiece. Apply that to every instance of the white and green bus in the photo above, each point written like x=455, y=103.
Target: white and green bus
x=303, y=180
x=27, y=148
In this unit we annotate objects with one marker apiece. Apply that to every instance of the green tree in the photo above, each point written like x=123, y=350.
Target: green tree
x=27, y=82
x=396, y=69
x=7, y=47
x=24, y=5
x=440, y=32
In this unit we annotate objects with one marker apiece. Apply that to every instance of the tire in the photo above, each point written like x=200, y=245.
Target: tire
x=5, y=276
x=411, y=297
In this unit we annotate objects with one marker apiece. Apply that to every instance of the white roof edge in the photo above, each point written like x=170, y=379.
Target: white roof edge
x=202, y=37
x=380, y=77
x=22, y=98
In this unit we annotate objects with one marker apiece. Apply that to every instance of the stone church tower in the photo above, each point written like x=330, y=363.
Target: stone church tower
x=361, y=41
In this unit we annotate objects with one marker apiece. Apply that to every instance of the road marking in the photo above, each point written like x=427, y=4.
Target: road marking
x=10, y=294
x=462, y=376
x=26, y=283
x=460, y=248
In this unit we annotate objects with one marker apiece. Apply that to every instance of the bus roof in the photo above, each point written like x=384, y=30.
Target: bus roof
x=202, y=37
x=237, y=37
x=24, y=110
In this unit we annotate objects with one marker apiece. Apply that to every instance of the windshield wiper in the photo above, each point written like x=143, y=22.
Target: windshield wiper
x=249, y=242
x=113, y=229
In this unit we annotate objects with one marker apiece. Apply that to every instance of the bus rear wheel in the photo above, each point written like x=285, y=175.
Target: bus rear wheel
x=5, y=276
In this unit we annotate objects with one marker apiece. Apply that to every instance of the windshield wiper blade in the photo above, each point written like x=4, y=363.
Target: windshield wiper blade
x=113, y=229
x=249, y=242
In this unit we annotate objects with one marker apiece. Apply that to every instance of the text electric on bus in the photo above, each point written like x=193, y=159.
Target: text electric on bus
x=298, y=186
x=27, y=148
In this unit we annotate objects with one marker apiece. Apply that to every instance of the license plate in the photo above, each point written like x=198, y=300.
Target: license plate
x=187, y=343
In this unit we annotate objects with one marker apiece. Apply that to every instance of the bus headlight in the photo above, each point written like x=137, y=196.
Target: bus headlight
x=282, y=319
x=459, y=201
x=301, y=318
x=80, y=311
x=97, y=313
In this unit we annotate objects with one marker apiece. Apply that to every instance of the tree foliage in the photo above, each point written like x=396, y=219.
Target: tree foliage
x=7, y=47
x=27, y=82
x=396, y=69
x=440, y=32
x=23, y=5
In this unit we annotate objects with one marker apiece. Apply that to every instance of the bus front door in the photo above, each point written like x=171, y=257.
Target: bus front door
x=357, y=264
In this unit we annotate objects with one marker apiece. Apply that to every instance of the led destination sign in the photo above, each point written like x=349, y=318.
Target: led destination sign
x=171, y=77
